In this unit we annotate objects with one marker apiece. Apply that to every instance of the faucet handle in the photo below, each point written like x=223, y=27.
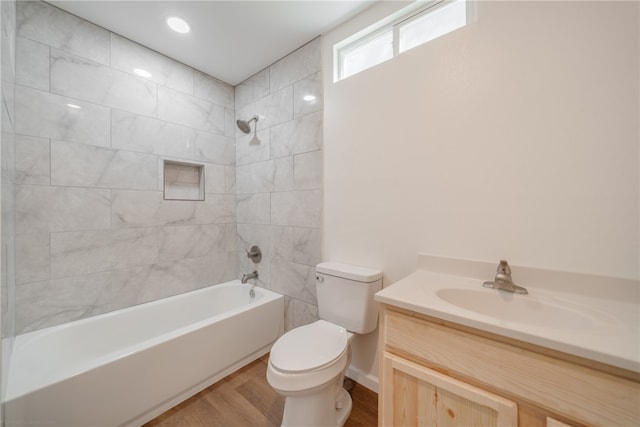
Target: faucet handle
x=255, y=254
x=503, y=280
x=503, y=268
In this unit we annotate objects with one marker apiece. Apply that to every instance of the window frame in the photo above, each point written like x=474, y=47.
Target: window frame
x=422, y=12
x=392, y=23
x=360, y=42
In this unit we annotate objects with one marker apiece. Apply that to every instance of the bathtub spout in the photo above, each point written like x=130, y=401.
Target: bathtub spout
x=246, y=277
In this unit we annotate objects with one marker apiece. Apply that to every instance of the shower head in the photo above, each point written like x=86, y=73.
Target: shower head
x=244, y=125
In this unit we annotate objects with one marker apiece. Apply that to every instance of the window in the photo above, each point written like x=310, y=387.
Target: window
x=371, y=51
x=412, y=26
x=430, y=25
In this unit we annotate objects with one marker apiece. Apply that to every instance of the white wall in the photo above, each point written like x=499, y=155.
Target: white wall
x=516, y=137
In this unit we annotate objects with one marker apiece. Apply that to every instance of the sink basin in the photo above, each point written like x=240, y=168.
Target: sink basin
x=527, y=309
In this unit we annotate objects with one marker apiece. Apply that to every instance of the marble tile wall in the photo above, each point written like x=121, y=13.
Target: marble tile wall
x=7, y=186
x=93, y=232
x=279, y=178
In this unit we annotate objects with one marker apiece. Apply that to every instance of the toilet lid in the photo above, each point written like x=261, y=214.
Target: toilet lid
x=309, y=347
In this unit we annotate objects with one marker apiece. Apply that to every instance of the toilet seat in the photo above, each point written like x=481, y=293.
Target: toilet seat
x=308, y=357
x=309, y=348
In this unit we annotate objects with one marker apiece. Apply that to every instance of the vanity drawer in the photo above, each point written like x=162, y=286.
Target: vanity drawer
x=580, y=393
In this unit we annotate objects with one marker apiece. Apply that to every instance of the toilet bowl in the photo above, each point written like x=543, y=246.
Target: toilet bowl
x=307, y=364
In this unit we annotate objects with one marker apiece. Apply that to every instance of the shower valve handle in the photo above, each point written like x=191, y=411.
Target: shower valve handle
x=255, y=254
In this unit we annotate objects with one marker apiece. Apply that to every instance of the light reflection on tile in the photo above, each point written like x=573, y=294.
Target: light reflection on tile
x=47, y=115
x=307, y=95
x=79, y=78
x=127, y=56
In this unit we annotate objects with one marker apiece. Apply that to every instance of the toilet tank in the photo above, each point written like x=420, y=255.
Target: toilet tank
x=345, y=296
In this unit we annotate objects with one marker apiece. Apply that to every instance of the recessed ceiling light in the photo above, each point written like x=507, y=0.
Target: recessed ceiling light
x=77, y=107
x=309, y=98
x=142, y=73
x=178, y=25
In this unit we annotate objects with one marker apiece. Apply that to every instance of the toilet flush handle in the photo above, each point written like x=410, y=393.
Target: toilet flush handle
x=320, y=279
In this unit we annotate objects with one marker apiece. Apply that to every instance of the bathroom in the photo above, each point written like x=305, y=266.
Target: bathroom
x=515, y=137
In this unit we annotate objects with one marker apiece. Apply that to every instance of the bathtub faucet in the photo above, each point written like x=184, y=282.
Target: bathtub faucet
x=246, y=277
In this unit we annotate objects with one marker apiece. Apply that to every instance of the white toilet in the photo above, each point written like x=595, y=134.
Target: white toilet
x=307, y=364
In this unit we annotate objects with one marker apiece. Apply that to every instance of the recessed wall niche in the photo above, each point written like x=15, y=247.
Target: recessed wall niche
x=183, y=181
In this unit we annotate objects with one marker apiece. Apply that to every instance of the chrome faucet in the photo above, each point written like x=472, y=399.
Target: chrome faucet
x=246, y=277
x=503, y=280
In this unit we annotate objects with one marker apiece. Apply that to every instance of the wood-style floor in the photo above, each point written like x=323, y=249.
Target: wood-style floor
x=245, y=399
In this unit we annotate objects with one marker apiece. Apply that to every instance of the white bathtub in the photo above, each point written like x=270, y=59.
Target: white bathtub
x=128, y=366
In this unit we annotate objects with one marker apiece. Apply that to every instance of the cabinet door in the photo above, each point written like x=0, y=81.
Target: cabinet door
x=413, y=395
x=555, y=423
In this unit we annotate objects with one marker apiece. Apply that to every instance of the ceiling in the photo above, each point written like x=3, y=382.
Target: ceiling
x=229, y=40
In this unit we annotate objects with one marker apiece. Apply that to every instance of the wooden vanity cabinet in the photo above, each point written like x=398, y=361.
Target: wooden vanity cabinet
x=435, y=373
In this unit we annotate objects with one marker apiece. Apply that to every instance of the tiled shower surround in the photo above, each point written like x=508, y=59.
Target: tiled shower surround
x=279, y=178
x=93, y=233
x=7, y=154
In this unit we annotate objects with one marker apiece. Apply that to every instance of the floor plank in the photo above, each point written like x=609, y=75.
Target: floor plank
x=245, y=399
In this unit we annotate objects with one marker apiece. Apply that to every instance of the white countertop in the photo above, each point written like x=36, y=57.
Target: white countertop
x=587, y=324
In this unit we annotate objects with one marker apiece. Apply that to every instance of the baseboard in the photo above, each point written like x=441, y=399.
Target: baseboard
x=366, y=379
